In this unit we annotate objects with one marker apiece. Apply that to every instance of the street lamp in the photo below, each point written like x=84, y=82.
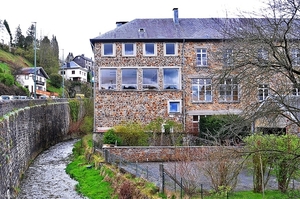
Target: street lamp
x=34, y=60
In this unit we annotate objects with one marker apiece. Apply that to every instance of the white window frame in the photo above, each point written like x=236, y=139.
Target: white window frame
x=201, y=57
x=124, y=51
x=296, y=92
x=228, y=57
x=147, y=86
x=135, y=85
x=178, y=84
x=175, y=49
x=155, y=49
x=112, y=85
x=179, y=109
x=202, y=88
x=229, y=85
x=113, y=50
x=263, y=92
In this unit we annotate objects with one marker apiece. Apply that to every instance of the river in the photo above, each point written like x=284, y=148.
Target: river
x=46, y=177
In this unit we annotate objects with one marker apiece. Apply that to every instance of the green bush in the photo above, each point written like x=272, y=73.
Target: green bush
x=87, y=126
x=110, y=137
x=56, y=80
x=7, y=79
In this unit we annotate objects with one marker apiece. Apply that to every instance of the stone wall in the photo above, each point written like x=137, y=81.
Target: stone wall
x=162, y=153
x=28, y=127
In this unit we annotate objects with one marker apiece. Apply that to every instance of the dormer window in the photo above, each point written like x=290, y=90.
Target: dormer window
x=141, y=30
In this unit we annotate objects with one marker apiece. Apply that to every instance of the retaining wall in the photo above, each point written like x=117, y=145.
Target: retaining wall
x=28, y=127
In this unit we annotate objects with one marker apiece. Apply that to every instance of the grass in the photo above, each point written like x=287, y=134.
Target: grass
x=90, y=183
x=270, y=194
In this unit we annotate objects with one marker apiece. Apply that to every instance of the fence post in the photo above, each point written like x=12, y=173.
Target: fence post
x=201, y=191
x=106, y=155
x=181, y=192
x=162, y=178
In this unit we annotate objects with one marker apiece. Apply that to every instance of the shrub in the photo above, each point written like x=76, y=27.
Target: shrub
x=110, y=137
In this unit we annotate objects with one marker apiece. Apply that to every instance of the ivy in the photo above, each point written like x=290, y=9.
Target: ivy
x=74, y=105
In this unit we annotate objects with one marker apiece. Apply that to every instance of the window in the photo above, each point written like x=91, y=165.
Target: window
x=201, y=90
x=150, y=79
x=170, y=49
x=150, y=49
x=229, y=90
x=73, y=72
x=296, y=91
x=262, y=55
x=171, y=78
x=174, y=106
x=228, y=57
x=108, y=78
x=201, y=57
x=263, y=91
x=129, y=78
x=108, y=49
x=26, y=77
x=296, y=57
x=129, y=49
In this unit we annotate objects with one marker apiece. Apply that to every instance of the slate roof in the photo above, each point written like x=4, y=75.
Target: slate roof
x=71, y=65
x=30, y=70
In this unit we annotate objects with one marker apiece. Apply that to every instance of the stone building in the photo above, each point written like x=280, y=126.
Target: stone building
x=149, y=68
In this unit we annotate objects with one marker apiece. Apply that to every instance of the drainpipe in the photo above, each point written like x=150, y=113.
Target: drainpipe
x=183, y=86
x=94, y=94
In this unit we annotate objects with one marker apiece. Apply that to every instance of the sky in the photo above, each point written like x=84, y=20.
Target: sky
x=75, y=22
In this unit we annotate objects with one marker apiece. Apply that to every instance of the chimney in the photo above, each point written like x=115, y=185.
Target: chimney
x=120, y=23
x=175, y=19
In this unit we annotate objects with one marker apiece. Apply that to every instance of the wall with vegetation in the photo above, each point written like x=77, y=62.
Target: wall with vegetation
x=27, y=127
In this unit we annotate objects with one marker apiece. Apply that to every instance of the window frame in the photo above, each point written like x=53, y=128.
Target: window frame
x=200, y=60
x=124, y=50
x=228, y=57
x=205, y=86
x=113, y=45
x=113, y=83
x=175, y=49
x=179, y=108
x=230, y=88
x=147, y=86
x=131, y=86
x=295, y=54
x=166, y=85
x=154, y=49
x=264, y=90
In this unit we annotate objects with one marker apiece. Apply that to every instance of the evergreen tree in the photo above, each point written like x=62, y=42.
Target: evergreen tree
x=8, y=30
x=19, y=38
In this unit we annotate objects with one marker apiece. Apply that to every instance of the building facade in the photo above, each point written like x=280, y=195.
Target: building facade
x=4, y=35
x=150, y=68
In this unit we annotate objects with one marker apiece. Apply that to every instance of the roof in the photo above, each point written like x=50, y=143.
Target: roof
x=71, y=65
x=30, y=70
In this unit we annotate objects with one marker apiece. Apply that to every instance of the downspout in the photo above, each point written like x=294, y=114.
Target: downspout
x=94, y=87
x=183, y=86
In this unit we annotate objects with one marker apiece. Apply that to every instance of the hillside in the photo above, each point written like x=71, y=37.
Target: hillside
x=8, y=62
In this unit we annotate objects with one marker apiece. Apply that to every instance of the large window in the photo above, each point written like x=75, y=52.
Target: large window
x=174, y=106
x=229, y=90
x=228, y=57
x=150, y=49
x=108, y=49
x=201, y=57
x=129, y=78
x=170, y=49
x=129, y=49
x=201, y=90
x=108, y=78
x=171, y=78
x=150, y=78
x=295, y=56
x=263, y=91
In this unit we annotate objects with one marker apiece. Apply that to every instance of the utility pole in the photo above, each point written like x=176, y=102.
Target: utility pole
x=34, y=60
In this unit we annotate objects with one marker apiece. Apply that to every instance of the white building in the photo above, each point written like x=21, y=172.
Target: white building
x=4, y=35
x=26, y=79
x=74, y=72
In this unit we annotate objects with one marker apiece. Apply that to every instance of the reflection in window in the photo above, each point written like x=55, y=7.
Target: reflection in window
x=170, y=49
x=149, y=49
x=228, y=57
x=108, y=78
x=108, y=49
x=150, y=79
x=171, y=78
x=263, y=91
x=174, y=107
x=229, y=90
x=201, y=57
x=128, y=49
x=129, y=78
x=296, y=57
x=201, y=90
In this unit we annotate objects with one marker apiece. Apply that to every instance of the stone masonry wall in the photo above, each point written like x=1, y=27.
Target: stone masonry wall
x=27, y=127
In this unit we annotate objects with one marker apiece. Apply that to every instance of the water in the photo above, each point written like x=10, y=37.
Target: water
x=46, y=177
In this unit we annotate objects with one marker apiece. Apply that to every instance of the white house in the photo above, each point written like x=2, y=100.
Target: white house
x=74, y=72
x=4, y=35
x=26, y=79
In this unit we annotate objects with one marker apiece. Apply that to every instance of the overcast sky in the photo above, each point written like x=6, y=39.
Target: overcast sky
x=75, y=22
